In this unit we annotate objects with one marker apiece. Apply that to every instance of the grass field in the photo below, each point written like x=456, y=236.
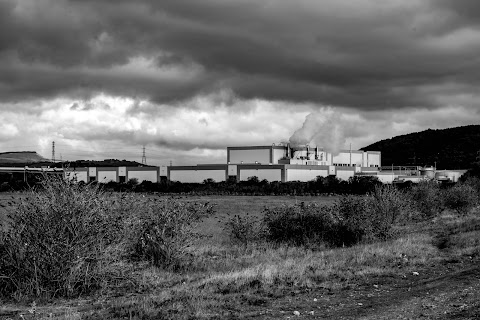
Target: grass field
x=430, y=270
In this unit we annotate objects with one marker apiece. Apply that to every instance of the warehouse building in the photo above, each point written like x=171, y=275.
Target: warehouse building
x=115, y=174
x=280, y=163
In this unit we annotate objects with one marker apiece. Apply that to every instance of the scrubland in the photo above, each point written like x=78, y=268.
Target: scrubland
x=73, y=251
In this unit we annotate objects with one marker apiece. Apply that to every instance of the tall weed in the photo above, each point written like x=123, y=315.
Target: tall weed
x=245, y=229
x=161, y=231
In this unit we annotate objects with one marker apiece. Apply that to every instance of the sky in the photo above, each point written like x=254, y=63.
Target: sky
x=187, y=78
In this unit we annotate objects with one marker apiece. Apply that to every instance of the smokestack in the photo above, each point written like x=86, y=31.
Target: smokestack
x=288, y=150
x=308, y=157
x=316, y=153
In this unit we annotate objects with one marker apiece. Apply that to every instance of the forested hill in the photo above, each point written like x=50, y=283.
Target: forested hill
x=453, y=148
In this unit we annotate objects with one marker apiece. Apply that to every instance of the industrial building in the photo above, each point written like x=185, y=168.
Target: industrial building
x=281, y=163
x=115, y=174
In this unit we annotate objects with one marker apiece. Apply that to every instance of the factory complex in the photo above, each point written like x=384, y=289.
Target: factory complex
x=276, y=162
x=280, y=162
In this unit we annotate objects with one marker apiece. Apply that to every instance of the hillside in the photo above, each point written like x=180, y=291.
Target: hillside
x=33, y=159
x=453, y=148
x=20, y=157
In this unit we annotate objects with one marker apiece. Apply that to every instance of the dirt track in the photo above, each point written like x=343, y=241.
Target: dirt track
x=447, y=291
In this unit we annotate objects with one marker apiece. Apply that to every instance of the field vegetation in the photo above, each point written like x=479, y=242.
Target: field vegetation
x=74, y=251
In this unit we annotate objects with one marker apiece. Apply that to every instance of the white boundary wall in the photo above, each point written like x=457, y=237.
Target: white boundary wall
x=107, y=176
x=268, y=174
x=143, y=175
x=304, y=174
x=197, y=176
x=79, y=175
x=345, y=174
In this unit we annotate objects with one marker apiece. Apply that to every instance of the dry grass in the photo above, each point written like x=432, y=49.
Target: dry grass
x=225, y=277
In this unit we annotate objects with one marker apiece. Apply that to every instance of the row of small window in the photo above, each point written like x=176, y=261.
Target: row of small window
x=354, y=165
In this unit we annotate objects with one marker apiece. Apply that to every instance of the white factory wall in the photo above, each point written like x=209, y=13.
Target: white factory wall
x=278, y=154
x=344, y=158
x=163, y=171
x=449, y=174
x=232, y=169
x=304, y=174
x=250, y=156
x=345, y=174
x=373, y=159
x=268, y=174
x=357, y=159
x=385, y=177
x=197, y=175
x=107, y=176
x=329, y=159
x=92, y=172
x=78, y=175
x=143, y=175
x=322, y=156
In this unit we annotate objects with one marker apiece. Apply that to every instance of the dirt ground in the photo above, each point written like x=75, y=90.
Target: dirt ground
x=447, y=291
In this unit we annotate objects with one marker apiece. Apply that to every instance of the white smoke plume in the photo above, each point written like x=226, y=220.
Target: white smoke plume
x=323, y=129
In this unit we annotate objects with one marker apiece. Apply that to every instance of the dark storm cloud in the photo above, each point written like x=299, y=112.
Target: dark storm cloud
x=362, y=54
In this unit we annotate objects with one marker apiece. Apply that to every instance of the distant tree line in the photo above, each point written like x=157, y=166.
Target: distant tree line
x=254, y=186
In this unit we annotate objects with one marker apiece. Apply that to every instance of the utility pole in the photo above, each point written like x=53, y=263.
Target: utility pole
x=53, y=151
x=350, y=154
x=144, y=157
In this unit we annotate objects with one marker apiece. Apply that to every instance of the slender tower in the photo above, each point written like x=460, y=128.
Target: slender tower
x=53, y=151
x=144, y=157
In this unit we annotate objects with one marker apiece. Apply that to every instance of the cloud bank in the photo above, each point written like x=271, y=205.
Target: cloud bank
x=188, y=78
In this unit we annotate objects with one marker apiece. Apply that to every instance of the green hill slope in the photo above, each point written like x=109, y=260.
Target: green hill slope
x=20, y=157
x=453, y=148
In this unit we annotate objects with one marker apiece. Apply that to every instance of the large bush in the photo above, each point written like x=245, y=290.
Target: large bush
x=56, y=240
x=350, y=220
x=462, y=197
x=371, y=217
x=66, y=238
x=300, y=224
x=427, y=198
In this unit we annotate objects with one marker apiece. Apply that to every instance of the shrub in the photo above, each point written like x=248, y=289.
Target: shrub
x=427, y=198
x=56, y=240
x=350, y=220
x=67, y=238
x=386, y=206
x=301, y=224
x=244, y=229
x=162, y=230
x=462, y=197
